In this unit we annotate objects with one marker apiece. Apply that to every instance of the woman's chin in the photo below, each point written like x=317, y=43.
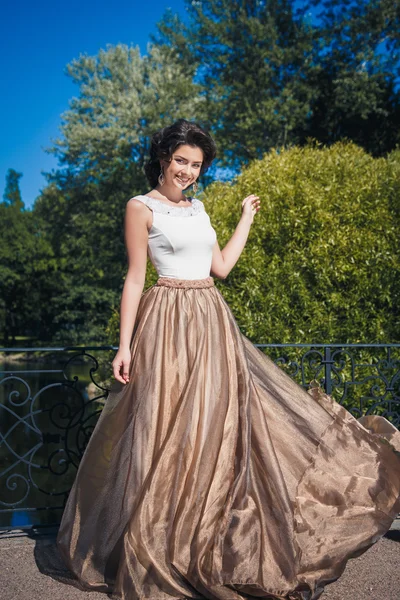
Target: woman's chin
x=182, y=188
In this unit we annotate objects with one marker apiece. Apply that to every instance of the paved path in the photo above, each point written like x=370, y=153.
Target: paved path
x=29, y=569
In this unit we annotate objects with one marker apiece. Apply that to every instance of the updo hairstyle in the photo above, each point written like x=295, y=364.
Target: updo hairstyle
x=165, y=141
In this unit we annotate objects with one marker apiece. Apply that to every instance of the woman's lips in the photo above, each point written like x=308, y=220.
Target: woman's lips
x=183, y=181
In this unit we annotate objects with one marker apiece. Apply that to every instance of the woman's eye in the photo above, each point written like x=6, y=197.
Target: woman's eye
x=181, y=160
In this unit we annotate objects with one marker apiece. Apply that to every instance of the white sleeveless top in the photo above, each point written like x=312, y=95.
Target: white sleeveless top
x=181, y=239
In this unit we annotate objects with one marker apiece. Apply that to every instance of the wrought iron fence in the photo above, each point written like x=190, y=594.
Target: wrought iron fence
x=50, y=403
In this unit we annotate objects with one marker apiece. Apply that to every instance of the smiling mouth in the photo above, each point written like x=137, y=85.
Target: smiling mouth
x=183, y=181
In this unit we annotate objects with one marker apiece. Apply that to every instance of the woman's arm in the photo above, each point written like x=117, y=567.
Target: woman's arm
x=136, y=239
x=224, y=260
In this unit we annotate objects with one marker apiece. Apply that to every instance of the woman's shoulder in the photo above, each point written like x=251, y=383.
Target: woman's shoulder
x=138, y=200
x=136, y=204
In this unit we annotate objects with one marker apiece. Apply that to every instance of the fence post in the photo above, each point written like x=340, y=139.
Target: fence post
x=328, y=362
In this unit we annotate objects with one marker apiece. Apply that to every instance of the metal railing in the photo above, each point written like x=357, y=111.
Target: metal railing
x=48, y=412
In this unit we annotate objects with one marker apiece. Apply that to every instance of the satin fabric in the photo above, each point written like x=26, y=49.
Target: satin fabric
x=212, y=474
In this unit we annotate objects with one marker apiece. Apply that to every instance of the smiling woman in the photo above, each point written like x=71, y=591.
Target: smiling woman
x=184, y=167
x=179, y=154
x=211, y=473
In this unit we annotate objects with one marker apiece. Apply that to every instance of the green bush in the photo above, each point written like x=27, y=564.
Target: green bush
x=322, y=260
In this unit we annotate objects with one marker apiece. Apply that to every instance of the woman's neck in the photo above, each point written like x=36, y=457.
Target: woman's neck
x=172, y=195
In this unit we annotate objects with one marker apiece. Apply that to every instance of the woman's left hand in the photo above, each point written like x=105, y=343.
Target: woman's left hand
x=250, y=206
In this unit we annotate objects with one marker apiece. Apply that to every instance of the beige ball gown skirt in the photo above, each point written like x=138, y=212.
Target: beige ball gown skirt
x=212, y=474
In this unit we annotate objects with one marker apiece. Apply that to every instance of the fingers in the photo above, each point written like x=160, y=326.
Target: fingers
x=254, y=201
x=250, y=198
x=253, y=198
x=123, y=379
x=118, y=377
x=124, y=376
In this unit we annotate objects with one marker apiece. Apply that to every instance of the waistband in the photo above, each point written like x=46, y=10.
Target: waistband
x=185, y=283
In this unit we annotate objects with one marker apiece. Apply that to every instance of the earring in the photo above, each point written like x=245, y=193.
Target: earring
x=195, y=187
x=161, y=177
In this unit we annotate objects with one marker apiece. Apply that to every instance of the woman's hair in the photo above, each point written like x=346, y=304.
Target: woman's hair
x=165, y=141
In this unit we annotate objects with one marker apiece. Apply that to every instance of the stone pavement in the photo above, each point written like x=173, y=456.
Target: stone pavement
x=31, y=569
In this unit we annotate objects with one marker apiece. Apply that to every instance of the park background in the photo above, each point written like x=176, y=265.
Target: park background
x=303, y=99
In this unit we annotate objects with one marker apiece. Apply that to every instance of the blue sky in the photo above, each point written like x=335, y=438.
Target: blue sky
x=37, y=41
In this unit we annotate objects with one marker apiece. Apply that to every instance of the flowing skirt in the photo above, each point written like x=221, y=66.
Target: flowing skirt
x=212, y=474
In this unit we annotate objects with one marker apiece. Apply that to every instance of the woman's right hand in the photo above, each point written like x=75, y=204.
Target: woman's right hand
x=121, y=365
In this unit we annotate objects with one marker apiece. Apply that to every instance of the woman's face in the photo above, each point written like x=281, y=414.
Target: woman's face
x=184, y=166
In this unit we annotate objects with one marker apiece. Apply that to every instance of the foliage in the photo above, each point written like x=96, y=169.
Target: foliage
x=322, y=259
x=123, y=98
x=81, y=314
x=253, y=61
x=356, y=85
x=12, y=193
x=26, y=258
x=272, y=76
x=264, y=77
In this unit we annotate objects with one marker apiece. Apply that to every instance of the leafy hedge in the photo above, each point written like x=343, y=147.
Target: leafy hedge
x=322, y=260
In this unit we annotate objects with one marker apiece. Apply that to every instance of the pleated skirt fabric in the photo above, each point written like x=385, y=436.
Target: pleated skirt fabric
x=212, y=474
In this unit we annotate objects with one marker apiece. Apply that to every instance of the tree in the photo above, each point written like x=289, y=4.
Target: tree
x=253, y=60
x=123, y=99
x=272, y=76
x=12, y=194
x=356, y=87
x=26, y=264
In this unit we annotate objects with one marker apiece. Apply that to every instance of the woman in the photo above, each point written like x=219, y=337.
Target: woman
x=211, y=473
